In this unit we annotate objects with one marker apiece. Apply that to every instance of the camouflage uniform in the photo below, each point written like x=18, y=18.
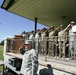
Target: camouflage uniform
x=31, y=38
x=62, y=40
x=37, y=42
x=29, y=63
x=51, y=43
x=43, y=43
x=72, y=42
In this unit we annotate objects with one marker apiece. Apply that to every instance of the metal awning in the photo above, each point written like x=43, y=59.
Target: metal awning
x=48, y=12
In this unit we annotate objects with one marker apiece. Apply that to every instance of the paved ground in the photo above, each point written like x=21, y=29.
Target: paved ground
x=57, y=60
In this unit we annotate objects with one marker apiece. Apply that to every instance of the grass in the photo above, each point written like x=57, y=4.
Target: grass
x=1, y=55
x=1, y=52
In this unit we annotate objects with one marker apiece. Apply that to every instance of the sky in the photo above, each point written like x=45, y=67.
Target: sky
x=11, y=24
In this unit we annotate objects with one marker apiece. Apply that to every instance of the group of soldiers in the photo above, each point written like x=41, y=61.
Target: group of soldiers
x=52, y=41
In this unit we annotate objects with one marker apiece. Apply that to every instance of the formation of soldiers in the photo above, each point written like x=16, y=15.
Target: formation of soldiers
x=52, y=41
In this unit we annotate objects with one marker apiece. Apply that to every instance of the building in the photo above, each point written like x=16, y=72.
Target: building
x=49, y=12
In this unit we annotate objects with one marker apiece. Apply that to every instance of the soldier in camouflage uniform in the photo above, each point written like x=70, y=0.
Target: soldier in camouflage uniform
x=31, y=38
x=72, y=40
x=52, y=39
x=62, y=40
x=37, y=41
x=43, y=41
x=30, y=60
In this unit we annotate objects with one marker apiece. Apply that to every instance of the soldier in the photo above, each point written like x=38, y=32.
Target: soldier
x=52, y=40
x=62, y=39
x=71, y=40
x=37, y=40
x=31, y=38
x=30, y=60
x=25, y=35
x=43, y=41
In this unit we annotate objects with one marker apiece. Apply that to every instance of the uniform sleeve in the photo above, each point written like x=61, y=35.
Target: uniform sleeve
x=34, y=59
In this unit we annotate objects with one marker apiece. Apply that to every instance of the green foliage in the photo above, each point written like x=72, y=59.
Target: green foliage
x=2, y=42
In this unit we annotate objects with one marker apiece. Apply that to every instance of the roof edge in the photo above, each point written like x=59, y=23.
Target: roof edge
x=9, y=4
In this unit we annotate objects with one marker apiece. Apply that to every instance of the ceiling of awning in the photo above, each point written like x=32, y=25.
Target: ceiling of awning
x=48, y=12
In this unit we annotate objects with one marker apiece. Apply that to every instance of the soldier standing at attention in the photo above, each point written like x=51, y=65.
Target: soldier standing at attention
x=30, y=59
x=71, y=40
x=43, y=41
x=37, y=41
x=52, y=40
x=31, y=38
x=62, y=39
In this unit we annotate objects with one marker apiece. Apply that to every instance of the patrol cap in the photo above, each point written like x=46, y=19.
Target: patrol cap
x=28, y=42
x=52, y=26
x=61, y=26
x=72, y=22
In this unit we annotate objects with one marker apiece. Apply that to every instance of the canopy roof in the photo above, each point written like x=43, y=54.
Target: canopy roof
x=48, y=12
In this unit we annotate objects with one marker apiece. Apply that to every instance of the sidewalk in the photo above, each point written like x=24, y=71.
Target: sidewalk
x=58, y=66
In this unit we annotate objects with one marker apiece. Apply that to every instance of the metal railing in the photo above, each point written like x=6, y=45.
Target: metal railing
x=54, y=47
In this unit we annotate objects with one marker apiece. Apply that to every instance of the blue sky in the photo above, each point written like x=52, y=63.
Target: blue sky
x=11, y=24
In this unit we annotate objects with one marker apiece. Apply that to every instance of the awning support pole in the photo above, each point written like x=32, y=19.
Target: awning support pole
x=35, y=23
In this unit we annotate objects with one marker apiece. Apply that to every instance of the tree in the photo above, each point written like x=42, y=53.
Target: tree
x=2, y=42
